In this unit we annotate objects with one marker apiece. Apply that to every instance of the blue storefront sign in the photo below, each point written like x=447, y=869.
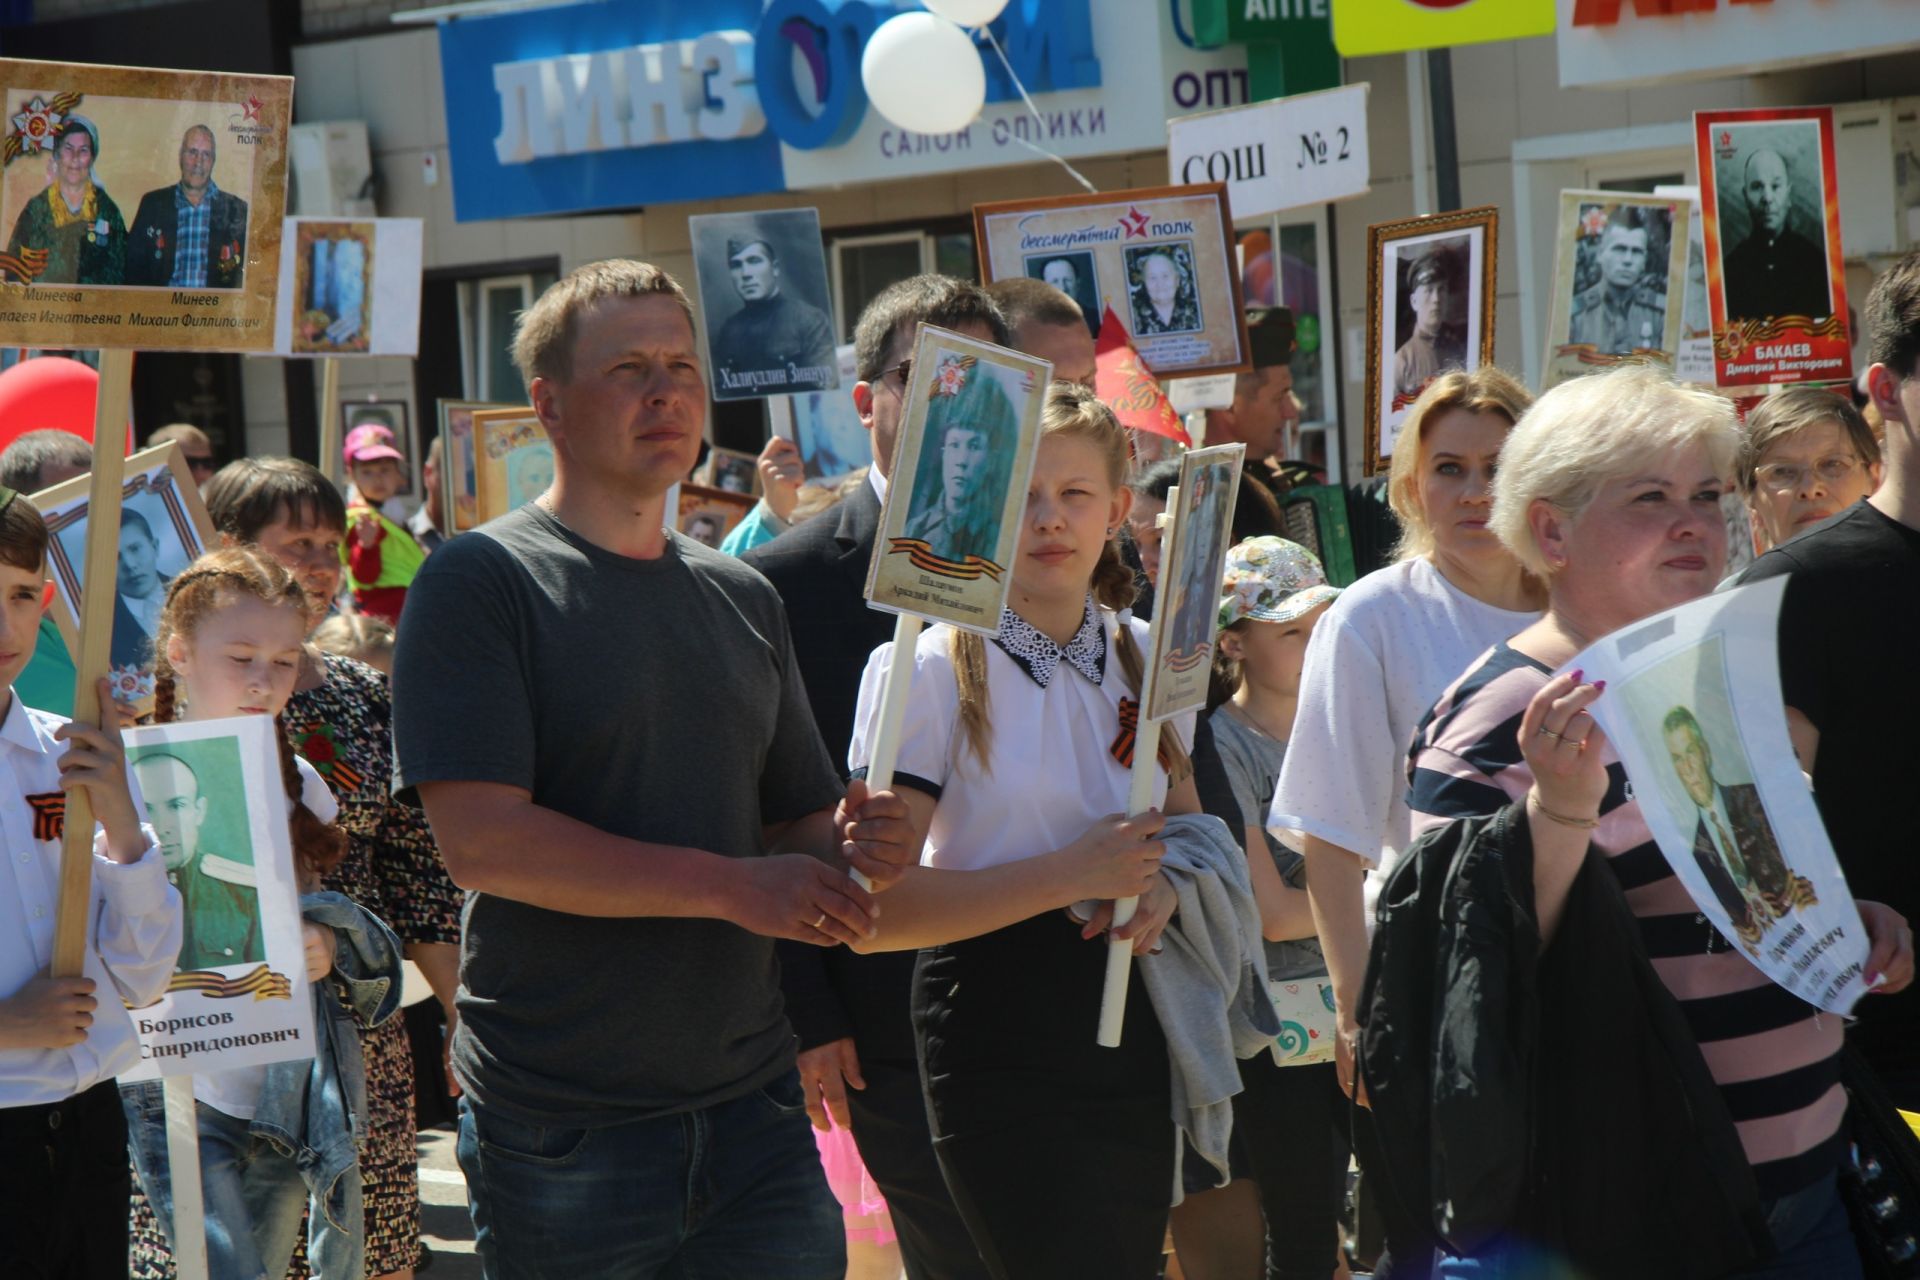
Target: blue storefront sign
x=640, y=102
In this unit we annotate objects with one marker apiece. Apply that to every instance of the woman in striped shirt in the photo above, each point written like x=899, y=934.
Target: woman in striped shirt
x=1609, y=490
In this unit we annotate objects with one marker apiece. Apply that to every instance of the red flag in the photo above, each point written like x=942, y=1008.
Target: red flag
x=1122, y=380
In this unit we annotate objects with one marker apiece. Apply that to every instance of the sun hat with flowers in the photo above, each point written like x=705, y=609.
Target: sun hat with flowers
x=1270, y=579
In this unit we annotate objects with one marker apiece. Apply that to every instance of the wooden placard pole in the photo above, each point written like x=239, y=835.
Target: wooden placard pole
x=183, y=1175
x=331, y=464
x=893, y=713
x=96, y=638
x=1113, y=996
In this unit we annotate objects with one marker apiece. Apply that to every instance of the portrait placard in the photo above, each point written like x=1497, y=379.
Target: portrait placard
x=217, y=803
x=1430, y=287
x=1161, y=257
x=163, y=528
x=1694, y=711
x=968, y=433
x=1192, y=567
x=824, y=426
x=512, y=460
x=349, y=287
x=708, y=515
x=1619, y=282
x=764, y=302
x=456, y=461
x=1776, y=279
x=142, y=208
x=730, y=470
x=1693, y=361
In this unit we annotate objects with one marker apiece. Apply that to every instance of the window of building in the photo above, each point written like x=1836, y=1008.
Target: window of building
x=1284, y=261
x=863, y=263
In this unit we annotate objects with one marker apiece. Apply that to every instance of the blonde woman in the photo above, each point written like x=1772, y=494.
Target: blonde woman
x=1383, y=652
x=1610, y=494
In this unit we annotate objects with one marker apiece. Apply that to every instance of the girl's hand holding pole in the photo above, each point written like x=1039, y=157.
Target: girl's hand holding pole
x=1117, y=857
x=876, y=833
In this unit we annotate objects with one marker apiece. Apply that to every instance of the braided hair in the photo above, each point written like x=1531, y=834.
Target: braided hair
x=207, y=585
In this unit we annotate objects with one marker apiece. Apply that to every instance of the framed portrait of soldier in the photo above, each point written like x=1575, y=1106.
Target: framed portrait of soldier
x=708, y=514
x=456, y=461
x=218, y=807
x=1619, y=282
x=141, y=208
x=1160, y=258
x=968, y=433
x=825, y=427
x=764, y=302
x=164, y=527
x=513, y=461
x=1776, y=276
x=1430, y=287
x=1193, y=558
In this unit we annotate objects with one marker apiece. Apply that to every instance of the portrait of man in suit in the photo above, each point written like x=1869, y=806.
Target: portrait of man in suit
x=1733, y=840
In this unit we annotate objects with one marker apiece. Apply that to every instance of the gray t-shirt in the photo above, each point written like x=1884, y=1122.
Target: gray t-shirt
x=1252, y=763
x=652, y=699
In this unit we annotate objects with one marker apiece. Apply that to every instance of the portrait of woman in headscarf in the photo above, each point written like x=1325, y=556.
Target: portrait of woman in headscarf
x=72, y=232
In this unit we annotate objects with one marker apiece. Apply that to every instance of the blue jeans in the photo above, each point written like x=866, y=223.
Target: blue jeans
x=1810, y=1230
x=733, y=1190
x=253, y=1196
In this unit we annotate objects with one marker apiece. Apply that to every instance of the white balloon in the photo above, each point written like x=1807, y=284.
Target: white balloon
x=968, y=13
x=924, y=74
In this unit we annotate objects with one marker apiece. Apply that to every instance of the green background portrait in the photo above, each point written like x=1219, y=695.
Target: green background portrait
x=216, y=762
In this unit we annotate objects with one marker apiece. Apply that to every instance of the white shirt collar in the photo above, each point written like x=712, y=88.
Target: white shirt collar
x=879, y=483
x=17, y=729
x=1038, y=655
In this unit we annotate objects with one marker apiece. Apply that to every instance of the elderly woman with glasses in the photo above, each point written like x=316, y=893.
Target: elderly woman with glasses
x=1809, y=455
x=1714, y=1087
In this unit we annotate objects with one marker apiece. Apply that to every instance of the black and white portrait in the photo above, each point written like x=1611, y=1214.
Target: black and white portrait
x=765, y=303
x=1771, y=205
x=1430, y=323
x=1072, y=273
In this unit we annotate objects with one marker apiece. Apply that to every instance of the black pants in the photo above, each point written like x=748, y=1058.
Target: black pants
x=1059, y=1153
x=1410, y=1240
x=890, y=1128
x=64, y=1188
x=1288, y=1120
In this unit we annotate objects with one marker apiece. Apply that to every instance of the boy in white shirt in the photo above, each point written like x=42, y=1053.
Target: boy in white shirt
x=63, y=1137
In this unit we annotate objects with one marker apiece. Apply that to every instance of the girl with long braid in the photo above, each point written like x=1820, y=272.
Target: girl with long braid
x=1060, y=1154
x=229, y=644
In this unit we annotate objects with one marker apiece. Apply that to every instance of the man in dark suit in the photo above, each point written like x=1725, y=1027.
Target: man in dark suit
x=1733, y=841
x=851, y=1011
x=1775, y=271
x=191, y=235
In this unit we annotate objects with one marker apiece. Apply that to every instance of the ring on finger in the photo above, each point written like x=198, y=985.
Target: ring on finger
x=1548, y=733
x=817, y=923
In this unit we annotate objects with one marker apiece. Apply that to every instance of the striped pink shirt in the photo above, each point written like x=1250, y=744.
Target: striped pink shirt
x=1775, y=1057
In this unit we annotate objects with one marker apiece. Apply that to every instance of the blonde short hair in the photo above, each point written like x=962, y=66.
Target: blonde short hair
x=544, y=338
x=1484, y=390
x=1592, y=430
x=355, y=635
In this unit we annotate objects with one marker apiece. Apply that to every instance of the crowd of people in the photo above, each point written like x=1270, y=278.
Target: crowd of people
x=717, y=1008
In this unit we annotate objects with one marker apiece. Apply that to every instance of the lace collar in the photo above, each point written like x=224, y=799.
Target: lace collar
x=1040, y=657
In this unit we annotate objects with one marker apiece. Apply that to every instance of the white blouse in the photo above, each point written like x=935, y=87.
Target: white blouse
x=1056, y=717
x=1384, y=652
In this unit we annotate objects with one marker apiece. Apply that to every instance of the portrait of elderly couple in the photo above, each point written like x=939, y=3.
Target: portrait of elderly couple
x=186, y=230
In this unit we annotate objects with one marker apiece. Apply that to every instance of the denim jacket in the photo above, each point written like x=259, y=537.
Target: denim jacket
x=314, y=1110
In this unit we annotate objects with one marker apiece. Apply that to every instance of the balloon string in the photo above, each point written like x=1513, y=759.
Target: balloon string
x=1037, y=119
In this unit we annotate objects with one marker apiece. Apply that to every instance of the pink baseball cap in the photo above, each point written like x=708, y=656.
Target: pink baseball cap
x=369, y=441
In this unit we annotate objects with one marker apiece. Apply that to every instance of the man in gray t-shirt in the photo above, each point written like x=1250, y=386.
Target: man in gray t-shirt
x=606, y=727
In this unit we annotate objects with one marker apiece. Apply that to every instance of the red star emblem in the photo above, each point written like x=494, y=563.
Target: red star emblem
x=1726, y=138
x=252, y=107
x=1135, y=223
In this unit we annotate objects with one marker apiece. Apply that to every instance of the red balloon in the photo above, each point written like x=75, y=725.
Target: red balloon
x=47, y=391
